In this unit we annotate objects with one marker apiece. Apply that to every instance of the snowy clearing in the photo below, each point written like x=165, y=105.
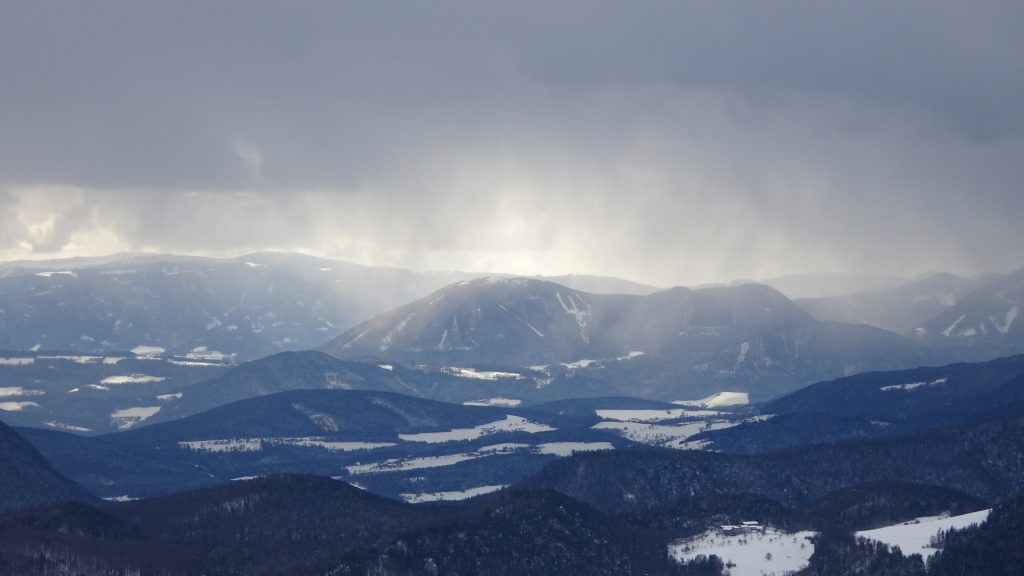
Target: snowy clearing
x=754, y=550
x=131, y=379
x=480, y=374
x=509, y=424
x=67, y=427
x=19, y=391
x=148, y=352
x=258, y=444
x=661, y=434
x=568, y=448
x=400, y=465
x=17, y=406
x=718, y=400
x=125, y=419
x=453, y=496
x=914, y=537
x=653, y=415
x=912, y=386
x=75, y=359
x=500, y=402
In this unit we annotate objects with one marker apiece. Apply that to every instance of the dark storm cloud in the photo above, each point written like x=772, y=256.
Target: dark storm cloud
x=669, y=141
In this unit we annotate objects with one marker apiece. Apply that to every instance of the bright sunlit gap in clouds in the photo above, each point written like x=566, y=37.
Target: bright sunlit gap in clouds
x=647, y=148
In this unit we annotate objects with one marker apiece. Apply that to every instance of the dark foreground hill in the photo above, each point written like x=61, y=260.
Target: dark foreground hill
x=27, y=479
x=317, y=526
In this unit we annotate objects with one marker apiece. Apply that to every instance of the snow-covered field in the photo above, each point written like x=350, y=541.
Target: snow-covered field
x=561, y=449
x=481, y=374
x=915, y=536
x=509, y=424
x=718, y=400
x=653, y=415
x=663, y=434
x=499, y=401
x=754, y=550
x=17, y=406
x=452, y=496
x=569, y=448
x=258, y=444
x=125, y=419
x=131, y=379
x=913, y=385
x=19, y=391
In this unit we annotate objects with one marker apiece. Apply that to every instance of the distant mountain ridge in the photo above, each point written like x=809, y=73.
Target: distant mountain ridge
x=707, y=338
x=245, y=307
x=983, y=324
x=899, y=309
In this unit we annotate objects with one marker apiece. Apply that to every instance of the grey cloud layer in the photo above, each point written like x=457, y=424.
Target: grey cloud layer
x=668, y=141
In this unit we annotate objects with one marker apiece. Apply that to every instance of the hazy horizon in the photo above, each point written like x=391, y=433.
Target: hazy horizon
x=670, y=143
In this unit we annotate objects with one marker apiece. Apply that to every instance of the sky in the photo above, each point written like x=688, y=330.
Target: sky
x=667, y=142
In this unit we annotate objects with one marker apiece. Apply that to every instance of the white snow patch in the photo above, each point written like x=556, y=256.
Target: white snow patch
x=754, y=550
x=569, y=448
x=387, y=367
x=949, y=331
x=580, y=363
x=75, y=359
x=718, y=400
x=632, y=354
x=17, y=361
x=131, y=379
x=19, y=391
x=111, y=360
x=354, y=340
x=398, y=465
x=480, y=374
x=509, y=424
x=912, y=386
x=51, y=274
x=498, y=401
x=204, y=354
x=224, y=445
x=125, y=419
x=663, y=435
x=1004, y=326
x=385, y=342
x=744, y=349
x=915, y=536
x=121, y=498
x=17, y=406
x=330, y=445
x=194, y=363
x=653, y=415
x=67, y=427
x=452, y=496
x=148, y=352
x=169, y=397
x=579, y=314
x=258, y=444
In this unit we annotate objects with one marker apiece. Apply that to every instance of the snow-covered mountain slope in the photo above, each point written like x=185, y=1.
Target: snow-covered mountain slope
x=983, y=324
x=898, y=309
x=248, y=307
x=675, y=344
